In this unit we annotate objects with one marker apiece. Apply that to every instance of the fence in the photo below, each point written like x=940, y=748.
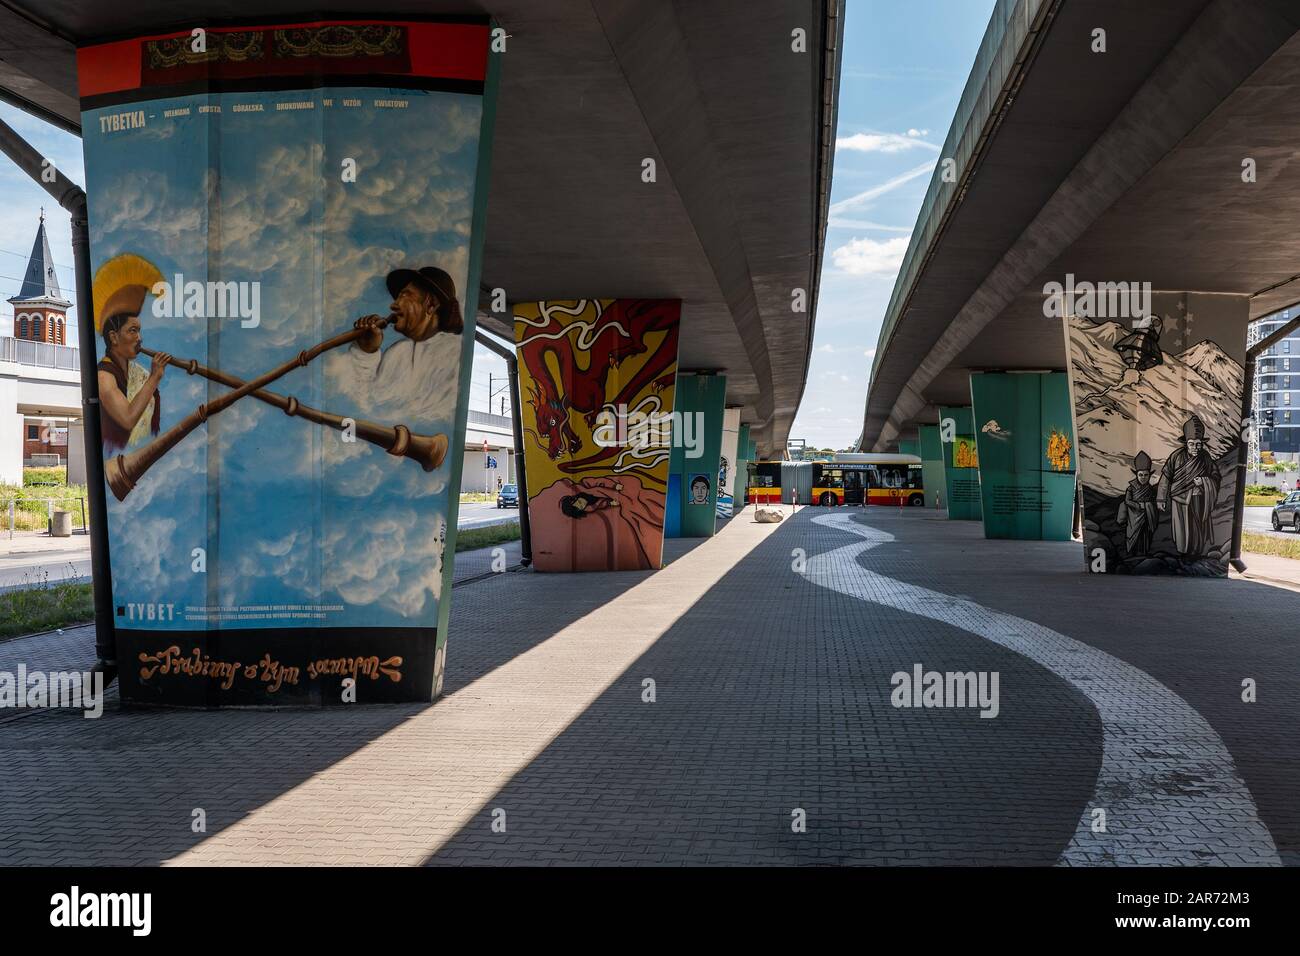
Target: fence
x=13, y=507
x=41, y=354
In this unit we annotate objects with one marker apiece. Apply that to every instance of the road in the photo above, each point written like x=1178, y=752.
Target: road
x=482, y=514
x=1258, y=520
x=31, y=558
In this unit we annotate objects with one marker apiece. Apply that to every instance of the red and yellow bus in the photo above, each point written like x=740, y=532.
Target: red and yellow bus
x=763, y=486
x=893, y=480
x=851, y=479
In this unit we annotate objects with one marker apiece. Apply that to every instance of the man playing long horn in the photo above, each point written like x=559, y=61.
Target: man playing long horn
x=406, y=373
x=130, y=408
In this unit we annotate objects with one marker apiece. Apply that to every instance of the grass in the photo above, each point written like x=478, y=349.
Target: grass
x=31, y=513
x=45, y=606
x=474, y=496
x=1262, y=501
x=494, y=534
x=1266, y=544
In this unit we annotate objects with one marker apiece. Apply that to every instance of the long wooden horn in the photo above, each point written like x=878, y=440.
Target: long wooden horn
x=426, y=450
x=125, y=470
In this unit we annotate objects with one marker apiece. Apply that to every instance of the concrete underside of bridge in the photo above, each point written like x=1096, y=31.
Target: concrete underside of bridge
x=740, y=125
x=1125, y=165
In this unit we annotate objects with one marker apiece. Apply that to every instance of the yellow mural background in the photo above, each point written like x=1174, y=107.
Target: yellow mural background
x=542, y=470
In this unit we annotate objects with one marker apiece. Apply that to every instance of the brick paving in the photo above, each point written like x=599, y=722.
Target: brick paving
x=772, y=701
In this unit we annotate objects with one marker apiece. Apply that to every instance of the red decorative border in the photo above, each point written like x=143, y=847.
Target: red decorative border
x=442, y=51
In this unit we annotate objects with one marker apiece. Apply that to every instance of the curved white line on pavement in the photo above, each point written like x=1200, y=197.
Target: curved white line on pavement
x=1167, y=782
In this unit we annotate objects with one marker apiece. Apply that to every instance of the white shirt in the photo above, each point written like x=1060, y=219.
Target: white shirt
x=407, y=382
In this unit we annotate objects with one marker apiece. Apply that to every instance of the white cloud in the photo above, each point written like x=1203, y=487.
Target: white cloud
x=884, y=142
x=862, y=257
x=870, y=353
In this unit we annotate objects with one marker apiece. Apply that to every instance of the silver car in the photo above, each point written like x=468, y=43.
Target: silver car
x=1286, y=513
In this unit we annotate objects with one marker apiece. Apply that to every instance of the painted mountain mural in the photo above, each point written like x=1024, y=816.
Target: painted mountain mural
x=1175, y=514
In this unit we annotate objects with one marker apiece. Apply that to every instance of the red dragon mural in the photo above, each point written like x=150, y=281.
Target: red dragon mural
x=559, y=337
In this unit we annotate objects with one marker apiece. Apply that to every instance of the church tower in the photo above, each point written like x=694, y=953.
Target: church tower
x=40, y=311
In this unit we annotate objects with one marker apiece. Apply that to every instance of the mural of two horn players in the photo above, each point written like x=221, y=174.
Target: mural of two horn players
x=1157, y=405
x=283, y=237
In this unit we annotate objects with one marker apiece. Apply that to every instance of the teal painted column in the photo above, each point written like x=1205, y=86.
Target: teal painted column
x=693, y=467
x=960, y=462
x=932, y=472
x=909, y=446
x=1026, y=454
x=744, y=455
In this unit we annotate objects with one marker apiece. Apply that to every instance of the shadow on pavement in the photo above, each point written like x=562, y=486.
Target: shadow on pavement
x=773, y=695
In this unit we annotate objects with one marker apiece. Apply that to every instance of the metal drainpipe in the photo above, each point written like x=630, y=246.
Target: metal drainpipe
x=1239, y=504
x=517, y=424
x=73, y=198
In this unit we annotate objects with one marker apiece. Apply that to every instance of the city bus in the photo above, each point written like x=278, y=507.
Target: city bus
x=763, y=486
x=893, y=480
x=851, y=479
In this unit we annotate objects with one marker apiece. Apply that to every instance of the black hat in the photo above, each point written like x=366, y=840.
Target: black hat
x=431, y=277
x=438, y=282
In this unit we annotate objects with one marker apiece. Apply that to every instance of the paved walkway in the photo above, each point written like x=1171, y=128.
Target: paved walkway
x=771, y=737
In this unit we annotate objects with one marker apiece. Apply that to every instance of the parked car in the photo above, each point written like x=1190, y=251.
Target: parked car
x=508, y=496
x=1286, y=513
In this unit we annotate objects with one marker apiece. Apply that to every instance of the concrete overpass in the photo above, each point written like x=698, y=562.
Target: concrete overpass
x=740, y=125
x=1125, y=165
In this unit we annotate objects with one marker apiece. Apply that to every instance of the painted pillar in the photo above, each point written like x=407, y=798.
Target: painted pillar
x=697, y=444
x=727, y=462
x=282, y=515
x=909, y=446
x=744, y=455
x=960, y=462
x=932, y=470
x=1157, y=408
x=1025, y=438
x=597, y=379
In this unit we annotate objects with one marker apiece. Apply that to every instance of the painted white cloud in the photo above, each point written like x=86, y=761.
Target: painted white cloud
x=871, y=256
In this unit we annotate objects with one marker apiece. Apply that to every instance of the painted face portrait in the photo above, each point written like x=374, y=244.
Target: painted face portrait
x=699, y=491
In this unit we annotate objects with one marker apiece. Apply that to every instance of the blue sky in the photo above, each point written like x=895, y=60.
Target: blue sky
x=904, y=69
x=905, y=65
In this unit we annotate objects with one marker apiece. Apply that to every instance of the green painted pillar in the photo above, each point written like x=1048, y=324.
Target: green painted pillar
x=744, y=455
x=960, y=462
x=1026, y=454
x=932, y=472
x=909, y=446
x=693, y=467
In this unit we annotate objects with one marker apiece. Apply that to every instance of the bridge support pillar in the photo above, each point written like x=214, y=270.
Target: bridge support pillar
x=960, y=462
x=1025, y=438
x=744, y=455
x=932, y=471
x=1157, y=410
x=697, y=445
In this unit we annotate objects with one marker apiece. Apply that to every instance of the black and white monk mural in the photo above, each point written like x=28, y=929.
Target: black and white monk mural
x=1157, y=406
